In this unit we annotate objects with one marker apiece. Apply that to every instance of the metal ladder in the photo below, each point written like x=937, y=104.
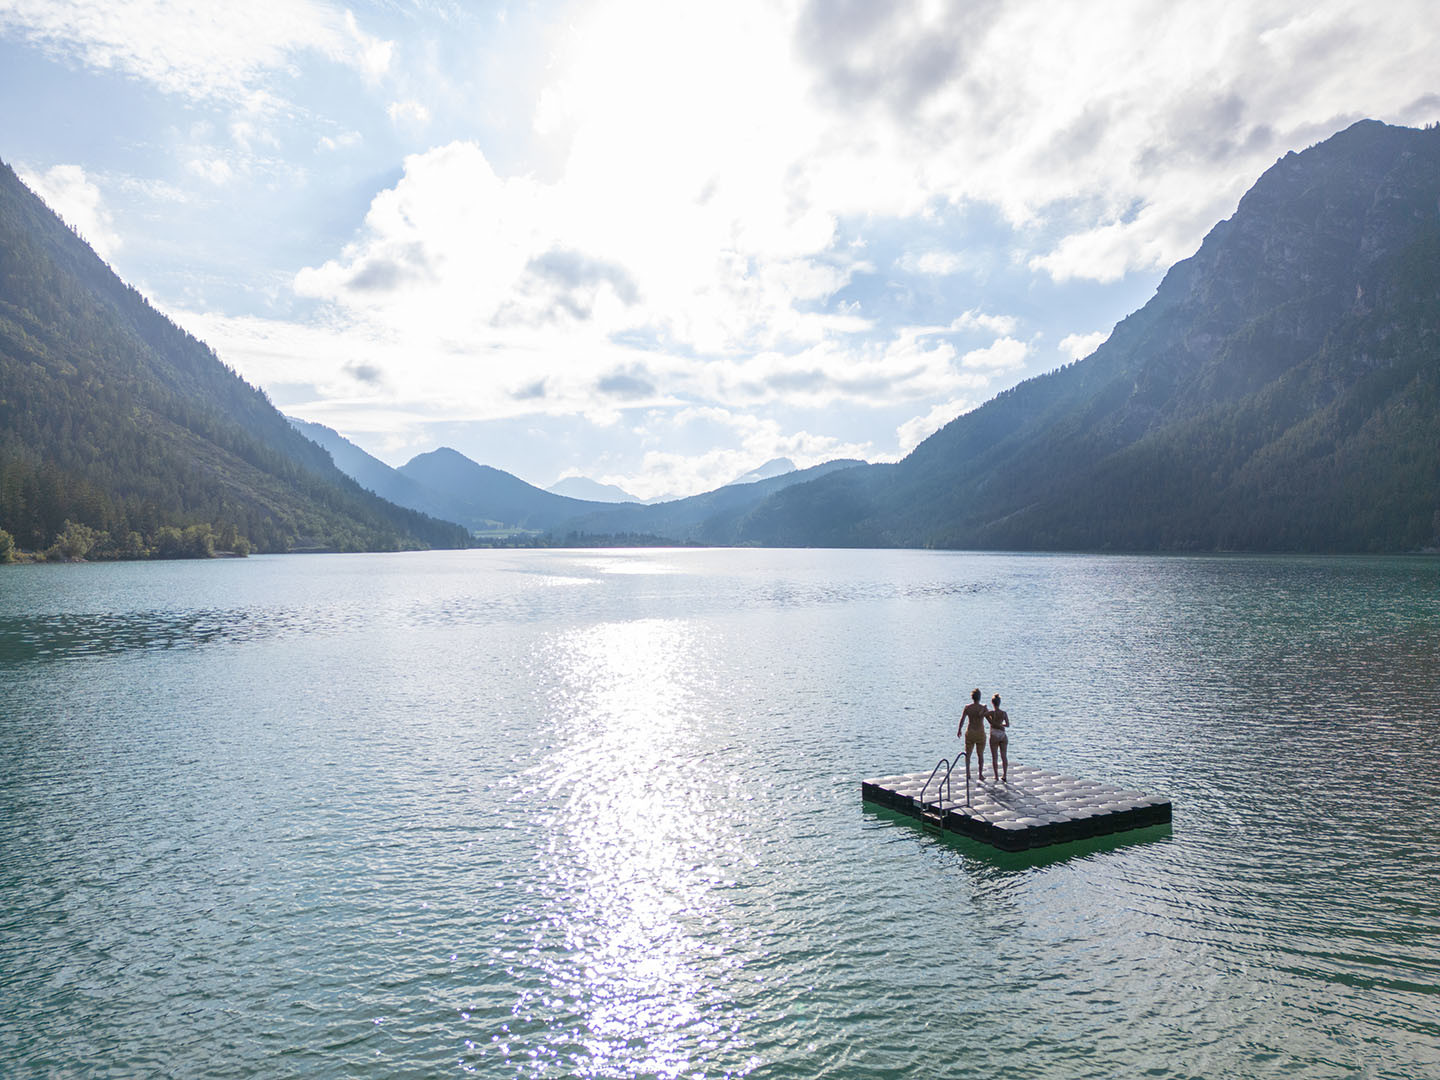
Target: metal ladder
x=932, y=815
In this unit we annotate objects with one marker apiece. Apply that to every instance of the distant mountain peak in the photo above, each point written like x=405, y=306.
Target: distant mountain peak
x=447, y=455
x=774, y=467
x=582, y=487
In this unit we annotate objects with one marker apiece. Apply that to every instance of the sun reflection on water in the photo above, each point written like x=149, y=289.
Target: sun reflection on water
x=636, y=932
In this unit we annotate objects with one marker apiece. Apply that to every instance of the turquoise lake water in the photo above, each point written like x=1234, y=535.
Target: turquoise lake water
x=598, y=814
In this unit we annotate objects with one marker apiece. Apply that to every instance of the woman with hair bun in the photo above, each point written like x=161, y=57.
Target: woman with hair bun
x=974, y=715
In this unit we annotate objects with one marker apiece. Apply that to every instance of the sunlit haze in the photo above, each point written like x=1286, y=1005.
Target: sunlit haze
x=658, y=244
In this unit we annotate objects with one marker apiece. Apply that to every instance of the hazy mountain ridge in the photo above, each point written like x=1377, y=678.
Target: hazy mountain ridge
x=115, y=420
x=484, y=498
x=582, y=487
x=771, y=469
x=1277, y=393
x=447, y=483
x=374, y=475
x=712, y=517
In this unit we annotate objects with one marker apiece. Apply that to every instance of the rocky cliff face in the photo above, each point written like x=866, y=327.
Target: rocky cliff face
x=1289, y=366
x=1305, y=251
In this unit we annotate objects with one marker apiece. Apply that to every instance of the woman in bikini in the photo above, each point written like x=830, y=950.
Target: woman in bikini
x=973, y=714
x=999, y=739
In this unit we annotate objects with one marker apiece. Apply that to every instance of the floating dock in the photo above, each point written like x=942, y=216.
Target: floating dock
x=1033, y=809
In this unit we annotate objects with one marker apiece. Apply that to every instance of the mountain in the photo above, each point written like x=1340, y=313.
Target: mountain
x=1280, y=392
x=483, y=498
x=374, y=475
x=581, y=487
x=122, y=435
x=448, y=484
x=714, y=517
x=772, y=468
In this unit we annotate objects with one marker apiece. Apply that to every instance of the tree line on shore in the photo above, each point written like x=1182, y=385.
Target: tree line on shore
x=76, y=543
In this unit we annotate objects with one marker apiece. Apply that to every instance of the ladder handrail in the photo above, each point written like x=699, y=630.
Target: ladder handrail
x=967, y=777
x=944, y=789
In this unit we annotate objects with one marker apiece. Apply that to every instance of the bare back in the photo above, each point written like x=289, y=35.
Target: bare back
x=974, y=713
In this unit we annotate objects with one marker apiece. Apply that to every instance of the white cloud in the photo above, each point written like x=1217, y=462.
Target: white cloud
x=247, y=134
x=76, y=198
x=455, y=253
x=269, y=352
x=975, y=319
x=1134, y=125
x=1079, y=346
x=1004, y=354
x=213, y=170
x=935, y=263
x=912, y=365
x=373, y=54
x=202, y=51
x=1150, y=241
x=343, y=141
x=408, y=114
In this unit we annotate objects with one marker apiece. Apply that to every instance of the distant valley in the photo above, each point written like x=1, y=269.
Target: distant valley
x=496, y=505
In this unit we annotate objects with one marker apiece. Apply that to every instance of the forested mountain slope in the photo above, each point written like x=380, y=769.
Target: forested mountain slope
x=1281, y=391
x=115, y=419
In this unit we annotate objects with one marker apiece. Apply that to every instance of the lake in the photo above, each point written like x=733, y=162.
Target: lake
x=598, y=814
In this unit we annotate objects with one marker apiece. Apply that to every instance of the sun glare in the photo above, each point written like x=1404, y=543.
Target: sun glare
x=632, y=859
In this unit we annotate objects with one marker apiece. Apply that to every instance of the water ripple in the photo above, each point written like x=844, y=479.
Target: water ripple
x=564, y=814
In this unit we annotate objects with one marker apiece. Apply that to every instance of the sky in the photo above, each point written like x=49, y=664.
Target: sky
x=659, y=243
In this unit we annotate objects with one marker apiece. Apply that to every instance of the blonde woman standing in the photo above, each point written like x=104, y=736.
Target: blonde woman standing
x=999, y=740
